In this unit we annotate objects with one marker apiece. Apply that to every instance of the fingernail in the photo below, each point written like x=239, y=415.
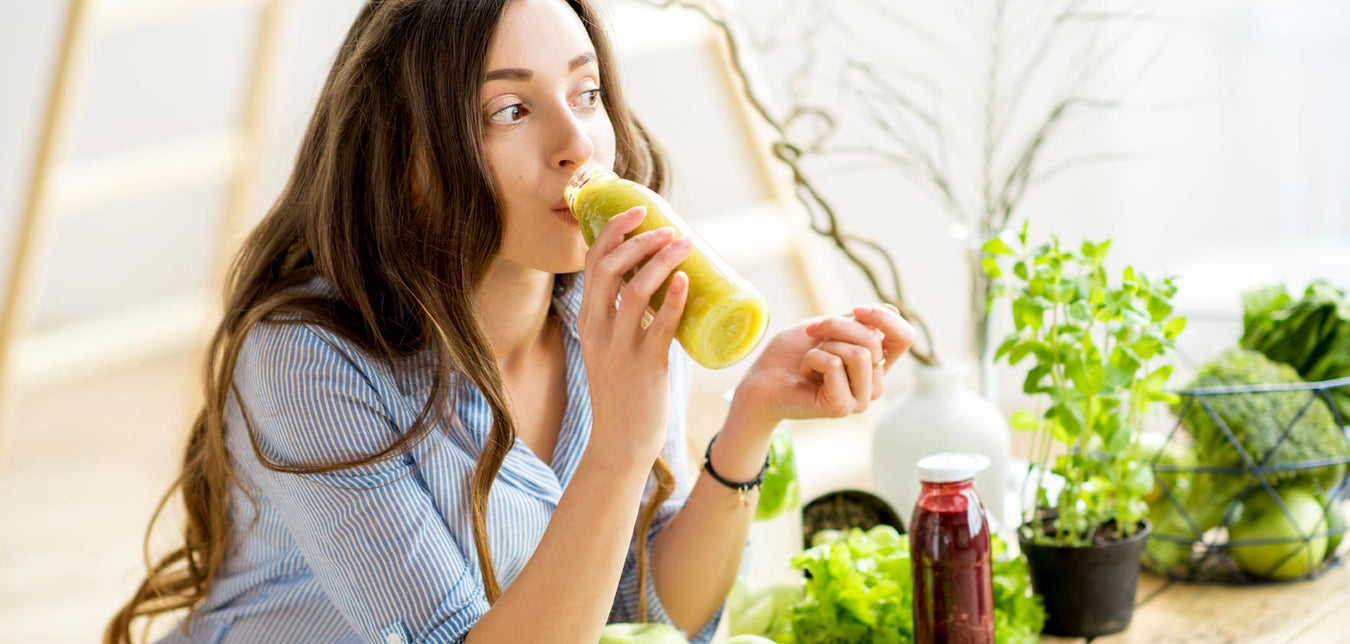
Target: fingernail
x=862, y=310
x=811, y=328
x=678, y=285
x=665, y=232
x=682, y=243
x=639, y=212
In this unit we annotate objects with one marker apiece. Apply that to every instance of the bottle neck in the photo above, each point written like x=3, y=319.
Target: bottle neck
x=948, y=486
x=947, y=497
x=942, y=378
x=584, y=175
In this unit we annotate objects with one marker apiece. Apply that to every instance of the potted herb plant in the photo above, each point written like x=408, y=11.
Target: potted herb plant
x=1098, y=350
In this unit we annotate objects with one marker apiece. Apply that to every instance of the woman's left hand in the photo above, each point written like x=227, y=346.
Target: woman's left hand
x=825, y=367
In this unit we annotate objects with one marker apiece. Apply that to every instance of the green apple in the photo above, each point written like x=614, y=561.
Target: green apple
x=642, y=634
x=750, y=639
x=822, y=537
x=1336, y=525
x=885, y=535
x=1262, y=518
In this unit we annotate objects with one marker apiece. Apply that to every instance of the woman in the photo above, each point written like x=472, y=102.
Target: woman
x=407, y=332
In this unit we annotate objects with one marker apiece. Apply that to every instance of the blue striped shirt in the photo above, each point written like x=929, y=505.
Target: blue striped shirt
x=385, y=552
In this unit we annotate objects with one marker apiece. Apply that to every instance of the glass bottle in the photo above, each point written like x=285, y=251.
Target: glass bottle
x=724, y=316
x=950, y=554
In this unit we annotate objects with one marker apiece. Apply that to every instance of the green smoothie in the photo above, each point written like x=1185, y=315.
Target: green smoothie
x=724, y=316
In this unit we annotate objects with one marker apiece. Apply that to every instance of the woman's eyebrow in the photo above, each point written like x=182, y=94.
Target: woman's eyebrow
x=588, y=57
x=519, y=74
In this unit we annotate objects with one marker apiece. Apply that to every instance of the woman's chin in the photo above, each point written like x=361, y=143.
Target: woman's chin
x=573, y=263
x=577, y=266
x=555, y=256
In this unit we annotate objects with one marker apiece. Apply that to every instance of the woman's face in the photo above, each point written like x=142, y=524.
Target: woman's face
x=543, y=118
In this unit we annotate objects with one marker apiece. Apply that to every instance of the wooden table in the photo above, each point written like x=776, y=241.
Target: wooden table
x=1309, y=612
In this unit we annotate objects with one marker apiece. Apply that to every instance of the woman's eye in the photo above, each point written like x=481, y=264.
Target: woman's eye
x=508, y=114
x=590, y=98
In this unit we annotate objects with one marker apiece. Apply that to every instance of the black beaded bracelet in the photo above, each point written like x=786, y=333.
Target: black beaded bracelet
x=740, y=488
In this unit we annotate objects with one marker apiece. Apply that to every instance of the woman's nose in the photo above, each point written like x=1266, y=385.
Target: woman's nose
x=573, y=145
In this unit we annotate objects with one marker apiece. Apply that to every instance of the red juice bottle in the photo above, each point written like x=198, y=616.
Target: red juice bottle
x=950, y=554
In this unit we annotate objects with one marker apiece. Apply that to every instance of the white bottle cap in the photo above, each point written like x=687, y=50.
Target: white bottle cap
x=949, y=467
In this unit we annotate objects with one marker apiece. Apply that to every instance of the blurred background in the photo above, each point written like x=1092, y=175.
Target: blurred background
x=1207, y=138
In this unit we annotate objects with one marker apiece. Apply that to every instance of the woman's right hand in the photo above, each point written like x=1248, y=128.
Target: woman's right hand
x=627, y=365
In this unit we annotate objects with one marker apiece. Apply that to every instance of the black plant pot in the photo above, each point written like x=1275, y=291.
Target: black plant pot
x=844, y=509
x=1089, y=590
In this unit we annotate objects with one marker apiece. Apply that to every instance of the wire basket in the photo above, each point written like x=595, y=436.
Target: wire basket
x=1190, y=546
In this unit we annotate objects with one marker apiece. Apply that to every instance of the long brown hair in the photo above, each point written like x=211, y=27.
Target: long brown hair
x=405, y=83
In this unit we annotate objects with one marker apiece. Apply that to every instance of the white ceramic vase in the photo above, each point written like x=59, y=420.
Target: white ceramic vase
x=941, y=414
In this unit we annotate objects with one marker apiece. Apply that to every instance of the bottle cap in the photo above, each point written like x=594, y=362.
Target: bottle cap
x=949, y=467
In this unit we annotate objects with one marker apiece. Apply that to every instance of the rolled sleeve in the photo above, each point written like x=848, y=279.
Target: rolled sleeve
x=371, y=534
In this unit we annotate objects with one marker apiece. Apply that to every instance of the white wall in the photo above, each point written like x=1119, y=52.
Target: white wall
x=1260, y=160
x=1240, y=150
x=146, y=84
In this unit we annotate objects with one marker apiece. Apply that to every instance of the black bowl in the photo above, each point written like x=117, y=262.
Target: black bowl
x=844, y=509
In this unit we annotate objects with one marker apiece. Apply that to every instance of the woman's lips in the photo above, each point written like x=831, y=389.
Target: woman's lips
x=565, y=214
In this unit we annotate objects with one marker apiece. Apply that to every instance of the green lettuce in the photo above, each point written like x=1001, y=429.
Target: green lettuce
x=860, y=589
x=780, y=491
x=1018, y=613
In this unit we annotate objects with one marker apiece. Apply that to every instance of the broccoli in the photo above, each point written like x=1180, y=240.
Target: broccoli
x=1257, y=421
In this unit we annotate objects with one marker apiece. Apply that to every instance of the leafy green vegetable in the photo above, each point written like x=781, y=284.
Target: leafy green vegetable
x=1098, y=348
x=860, y=589
x=1018, y=613
x=1257, y=421
x=765, y=612
x=1311, y=334
x=780, y=491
